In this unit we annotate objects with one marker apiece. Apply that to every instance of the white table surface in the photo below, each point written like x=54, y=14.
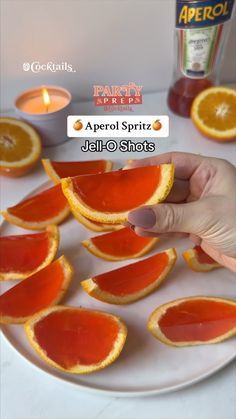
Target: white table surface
x=26, y=393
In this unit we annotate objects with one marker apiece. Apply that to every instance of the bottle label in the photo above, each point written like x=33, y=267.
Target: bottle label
x=200, y=14
x=198, y=48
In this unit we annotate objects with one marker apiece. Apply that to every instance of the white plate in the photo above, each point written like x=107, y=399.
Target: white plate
x=145, y=366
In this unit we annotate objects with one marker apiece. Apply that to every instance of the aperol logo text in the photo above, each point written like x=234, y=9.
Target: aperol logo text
x=190, y=13
x=127, y=94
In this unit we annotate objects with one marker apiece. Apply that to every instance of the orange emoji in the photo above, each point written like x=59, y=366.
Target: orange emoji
x=78, y=125
x=156, y=125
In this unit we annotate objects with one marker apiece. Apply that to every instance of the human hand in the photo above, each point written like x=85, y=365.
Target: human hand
x=201, y=205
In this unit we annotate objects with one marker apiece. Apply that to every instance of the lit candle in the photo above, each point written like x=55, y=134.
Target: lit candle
x=46, y=108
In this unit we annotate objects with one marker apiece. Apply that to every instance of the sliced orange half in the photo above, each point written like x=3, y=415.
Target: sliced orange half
x=40, y=290
x=199, y=261
x=214, y=113
x=57, y=170
x=38, y=211
x=132, y=282
x=194, y=321
x=20, y=147
x=108, y=197
x=76, y=340
x=95, y=225
x=119, y=245
x=22, y=255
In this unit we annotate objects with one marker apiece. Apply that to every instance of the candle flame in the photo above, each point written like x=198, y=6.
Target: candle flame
x=46, y=98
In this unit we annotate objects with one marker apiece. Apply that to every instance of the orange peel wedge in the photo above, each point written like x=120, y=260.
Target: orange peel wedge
x=40, y=210
x=42, y=289
x=132, y=282
x=76, y=340
x=23, y=255
x=199, y=261
x=95, y=225
x=108, y=197
x=194, y=321
x=119, y=245
x=57, y=170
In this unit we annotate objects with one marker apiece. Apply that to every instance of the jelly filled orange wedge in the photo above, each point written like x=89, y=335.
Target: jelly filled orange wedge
x=131, y=282
x=76, y=340
x=38, y=211
x=119, y=245
x=194, y=321
x=57, y=170
x=108, y=197
x=40, y=290
x=94, y=225
x=22, y=255
x=199, y=261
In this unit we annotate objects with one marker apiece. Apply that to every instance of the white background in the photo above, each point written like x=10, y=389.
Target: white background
x=106, y=41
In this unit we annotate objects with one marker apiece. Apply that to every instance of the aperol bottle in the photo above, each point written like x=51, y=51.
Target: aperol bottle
x=200, y=35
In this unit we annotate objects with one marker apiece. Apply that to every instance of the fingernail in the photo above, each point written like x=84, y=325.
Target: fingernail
x=143, y=217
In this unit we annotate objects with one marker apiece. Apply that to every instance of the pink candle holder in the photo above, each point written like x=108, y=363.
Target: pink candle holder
x=46, y=113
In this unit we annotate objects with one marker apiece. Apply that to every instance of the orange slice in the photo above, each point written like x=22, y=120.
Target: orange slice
x=57, y=170
x=194, y=321
x=20, y=147
x=76, y=340
x=119, y=245
x=199, y=261
x=40, y=290
x=132, y=282
x=95, y=225
x=38, y=211
x=22, y=255
x=214, y=113
x=108, y=197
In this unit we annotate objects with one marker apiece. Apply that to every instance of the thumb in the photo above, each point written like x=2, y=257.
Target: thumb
x=167, y=218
